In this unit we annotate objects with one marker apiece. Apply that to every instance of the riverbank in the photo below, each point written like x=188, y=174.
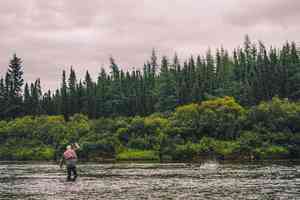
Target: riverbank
x=219, y=128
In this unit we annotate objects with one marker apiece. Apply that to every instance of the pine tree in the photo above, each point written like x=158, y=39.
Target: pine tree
x=73, y=100
x=210, y=73
x=35, y=98
x=102, y=94
x=27, y=101
x=153, y=62
x=167, y=92
x=80, y=96
x=14, y=82
x=48, y=104
x=90, y=96
x=2, y=97
x=15, y=71
x=115, y=89
x=57, y=102
x=64, y=97
x=176, y=71
x=294, y=73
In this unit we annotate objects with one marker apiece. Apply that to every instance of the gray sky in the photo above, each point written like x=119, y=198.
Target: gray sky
x=53, y=35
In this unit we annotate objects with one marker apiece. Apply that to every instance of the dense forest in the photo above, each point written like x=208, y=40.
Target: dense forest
x=241, y=104
x=251, y=74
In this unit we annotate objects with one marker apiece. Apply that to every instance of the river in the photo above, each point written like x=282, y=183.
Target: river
x=210, y=180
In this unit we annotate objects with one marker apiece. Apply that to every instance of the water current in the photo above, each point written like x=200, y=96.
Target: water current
x=209, y=180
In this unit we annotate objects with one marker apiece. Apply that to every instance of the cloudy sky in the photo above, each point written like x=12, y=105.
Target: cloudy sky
x=53, y=35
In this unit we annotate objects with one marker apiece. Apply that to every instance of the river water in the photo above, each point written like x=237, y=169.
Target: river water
x=210, y=180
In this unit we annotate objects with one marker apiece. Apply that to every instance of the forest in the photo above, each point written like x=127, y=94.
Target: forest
x=231, y=105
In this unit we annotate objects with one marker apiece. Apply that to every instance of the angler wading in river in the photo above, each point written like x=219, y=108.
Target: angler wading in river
x=70, y=158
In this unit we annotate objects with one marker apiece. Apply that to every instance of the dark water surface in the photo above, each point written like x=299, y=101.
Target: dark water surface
x=264, y=180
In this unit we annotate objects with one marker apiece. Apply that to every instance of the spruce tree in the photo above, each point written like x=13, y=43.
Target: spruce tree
x=90, y=96
x=2, y=98
x=115, y=90
x=64, y=97
x=48, y=104
x=14, y=82
x=153, y=62
x=101, y=93
x=15, y=71
x=167, y=92
x=73, y=100
x=57, y=102
x=80, y=96
x=210, y=73
x=27, y=101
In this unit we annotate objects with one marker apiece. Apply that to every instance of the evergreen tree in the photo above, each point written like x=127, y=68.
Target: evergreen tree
x=80, y=97
x=210, y=73
x=2, y=98
x=90, y=96
x=14, y=82
x=48, y=104
x=115, y=89
x=64, y=97
x=27, y=101
x=153, y=63
x=15, y=71
x=35, y=98
x=167, y=92
x=102, y=94
x=176, y=71
x=57, y=102
x=73, y=100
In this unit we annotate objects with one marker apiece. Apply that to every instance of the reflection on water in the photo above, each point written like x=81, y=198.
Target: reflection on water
x=153, y=181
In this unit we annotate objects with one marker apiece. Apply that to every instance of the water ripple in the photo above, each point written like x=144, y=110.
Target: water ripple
x=209, y=180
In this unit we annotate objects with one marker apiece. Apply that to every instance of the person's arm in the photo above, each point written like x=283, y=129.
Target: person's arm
x=74, y=154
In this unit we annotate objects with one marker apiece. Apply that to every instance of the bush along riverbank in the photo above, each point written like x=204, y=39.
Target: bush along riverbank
x=219, y=128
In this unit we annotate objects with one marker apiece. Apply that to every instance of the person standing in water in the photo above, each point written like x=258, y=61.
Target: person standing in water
x=70, y=158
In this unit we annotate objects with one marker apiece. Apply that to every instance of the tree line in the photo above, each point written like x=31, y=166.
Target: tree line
x=251, y=74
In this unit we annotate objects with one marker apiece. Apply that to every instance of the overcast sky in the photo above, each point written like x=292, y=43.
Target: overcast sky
x=53, y=35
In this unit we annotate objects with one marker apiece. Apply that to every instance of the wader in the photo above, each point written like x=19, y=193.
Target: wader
x=71, y=169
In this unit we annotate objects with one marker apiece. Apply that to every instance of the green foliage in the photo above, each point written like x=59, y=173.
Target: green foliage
x=45, y=153
x=78, y=127
x=185, y=122
x=51, y=130
x=27, y=153
x=206, y=146
x=115, y=107
x=276, y=115
x=226, y=148
x=221, y=118
x=22, y=127
x=131, y=154
x=271, y=151
x=23, y=154
x=218, y=127
x=143, y=133
x=97, y=150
